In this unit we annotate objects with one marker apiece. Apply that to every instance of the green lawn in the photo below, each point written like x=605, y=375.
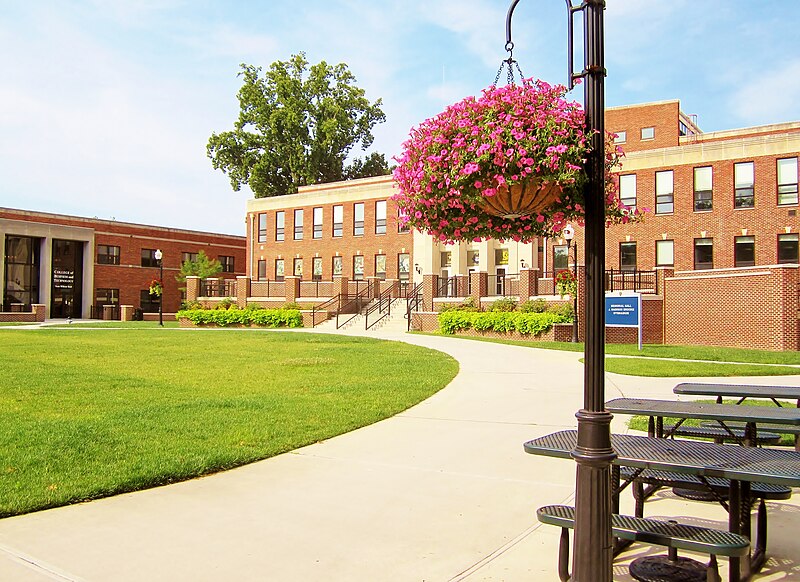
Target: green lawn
x=89, y=413
x=672, y=361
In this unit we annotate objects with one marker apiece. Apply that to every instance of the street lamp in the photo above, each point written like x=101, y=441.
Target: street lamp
x=569, y=234
x=159, y=255
x=593, y=454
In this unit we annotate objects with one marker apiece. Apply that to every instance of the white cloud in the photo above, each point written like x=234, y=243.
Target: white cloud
x=769, y=96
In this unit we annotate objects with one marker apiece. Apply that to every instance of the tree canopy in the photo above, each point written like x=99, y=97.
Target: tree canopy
x=202, y=267
x=297, y=126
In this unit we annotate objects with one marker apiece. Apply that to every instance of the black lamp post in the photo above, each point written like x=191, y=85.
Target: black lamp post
x=593, y=453
x=159, y=256
x=569, y=235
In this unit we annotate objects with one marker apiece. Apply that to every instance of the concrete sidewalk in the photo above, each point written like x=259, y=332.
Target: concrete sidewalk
x=441, y=492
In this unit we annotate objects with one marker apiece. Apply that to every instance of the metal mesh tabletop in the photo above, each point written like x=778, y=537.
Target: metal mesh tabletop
x=780, y=467
x=738, y=390
x=704, y=411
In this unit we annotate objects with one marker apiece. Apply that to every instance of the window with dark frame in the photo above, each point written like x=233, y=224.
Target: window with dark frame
x=106, y=297
x=191, y=257
x=744, y=251
x=665, y=193
x=107, y=255
x=703, y=253
x=280, y=224
x=627, y=190
x=787, y=181
x=262, y=270
x=298, y=224
x=627, y=256
x=703, y=189
x=148, y=303
x=665, y=253
x=788, y=248
x=262, y=227
x=227, y=263
x=149, y=258
x=744, y=183
x=279, y=269
x=358, y=267
x=358, y=219
x=560, y=258
x=317, y=217
x=380, y=267
x=380, y=217
x=316, y=269
x=338, y=221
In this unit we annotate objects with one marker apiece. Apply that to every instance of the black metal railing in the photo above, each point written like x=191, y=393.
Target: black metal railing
x=105, y=312
x=503, y=285
x=382, y=306
x=352, y=305
x=448, y=287
x=218, y=288
x=404, y=288
x=324, y=307
x=413, y=302
x=631, y=281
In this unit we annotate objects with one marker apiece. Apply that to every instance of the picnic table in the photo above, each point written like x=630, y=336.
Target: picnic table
x=741, y=465
x=741, y=391
x=722, y=414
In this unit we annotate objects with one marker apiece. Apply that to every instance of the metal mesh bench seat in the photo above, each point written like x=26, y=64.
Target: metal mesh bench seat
x=719, y=434
x=778, y=428
x=650, y=531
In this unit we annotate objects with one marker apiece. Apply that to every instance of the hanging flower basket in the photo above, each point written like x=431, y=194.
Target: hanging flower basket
x=156, y=288
x=506, y=165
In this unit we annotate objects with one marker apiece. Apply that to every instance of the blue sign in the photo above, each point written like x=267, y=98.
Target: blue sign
x=622, y=310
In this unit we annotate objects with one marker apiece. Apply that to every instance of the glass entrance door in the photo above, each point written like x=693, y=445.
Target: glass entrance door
x=67, y=279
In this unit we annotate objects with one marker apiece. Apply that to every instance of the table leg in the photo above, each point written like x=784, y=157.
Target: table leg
x=734, y=526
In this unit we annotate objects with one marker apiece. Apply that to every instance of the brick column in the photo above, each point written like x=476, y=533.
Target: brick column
x=394, y=285
x=192, y=289
x=461, y=286
x=528, y=284
x=375, y=287
x=126, y=311
x=480, y=286
x=38, y=311
x=292, y=285
x=661, y=274
x=242, y=291
x=341, y=285
x=430, y=286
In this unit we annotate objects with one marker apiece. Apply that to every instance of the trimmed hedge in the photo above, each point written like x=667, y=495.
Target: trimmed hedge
x=249, y=316
x=452, y=322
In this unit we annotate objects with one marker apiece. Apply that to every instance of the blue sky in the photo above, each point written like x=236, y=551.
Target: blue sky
x=106, y=105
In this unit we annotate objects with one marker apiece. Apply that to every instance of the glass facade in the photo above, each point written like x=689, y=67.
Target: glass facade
x=67, y=278
x=21, y=277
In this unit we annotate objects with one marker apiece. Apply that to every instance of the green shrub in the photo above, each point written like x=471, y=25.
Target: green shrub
x=195, y=304
x=467, y=305
x=564, y=310
x=226, y=303
x=505, y=305
x=501, y=322
x=255, y=316
x=533, y=306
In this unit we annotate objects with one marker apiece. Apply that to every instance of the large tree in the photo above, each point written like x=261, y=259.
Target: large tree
x=296, y=127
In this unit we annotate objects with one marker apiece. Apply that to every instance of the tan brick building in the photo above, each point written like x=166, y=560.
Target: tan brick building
x=75, y=266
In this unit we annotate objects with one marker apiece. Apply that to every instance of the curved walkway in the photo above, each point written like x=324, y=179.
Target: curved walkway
x=441, y=492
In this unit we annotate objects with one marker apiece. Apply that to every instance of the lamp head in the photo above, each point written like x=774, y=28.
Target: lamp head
x=568, y=233
x=158, y=254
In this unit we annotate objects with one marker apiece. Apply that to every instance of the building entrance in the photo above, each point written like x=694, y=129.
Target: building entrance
x=66, y=297
x=21, y=277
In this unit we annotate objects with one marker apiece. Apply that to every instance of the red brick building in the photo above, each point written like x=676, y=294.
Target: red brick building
x=74, y=266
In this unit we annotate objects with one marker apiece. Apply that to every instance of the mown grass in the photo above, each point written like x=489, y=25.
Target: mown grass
x=672, y=361
x=640, y=422
x=168, y=322
x=90, y=413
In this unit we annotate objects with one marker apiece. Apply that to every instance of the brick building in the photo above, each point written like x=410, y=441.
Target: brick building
x=722, y=218
x=74, y=266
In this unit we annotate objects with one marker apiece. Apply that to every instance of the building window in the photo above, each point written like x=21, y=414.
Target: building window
x=473, y=259
x=380, y=267
x=338, y=221
x=149, y=258
x=297, y=269
x=21, y=271
x=358, y=219
x=262, y=270
x=358, y=267
x=402, y=225
x=665, y=253
x=743, y=177
x=148, y=303
x=703, y=253
x=404, y=267
x=227, y=264
x=627, y=190
x=627, y=256
x=106, y=297
x=446, y=259
x=280, y=222
x=336, y=266
x=665, y=197
x=648, y=133
x=744, y=254
x=620, y=137
x=787, y=248
x=560, y=258
x=317, y=223
x=262, y=227
x=107, y=255
x=787, y=181
x=703, y=188
x=279, y=269
x=316, y=269
x=298, y=224
x=191, y=257
x=380, y=217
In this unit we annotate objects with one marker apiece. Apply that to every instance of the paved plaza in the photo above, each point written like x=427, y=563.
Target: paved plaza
x=442, y=492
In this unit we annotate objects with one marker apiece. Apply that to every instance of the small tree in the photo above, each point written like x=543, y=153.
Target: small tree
x=202, y=267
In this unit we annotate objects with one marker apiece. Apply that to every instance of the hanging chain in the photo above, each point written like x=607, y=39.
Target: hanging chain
x=511, y=63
